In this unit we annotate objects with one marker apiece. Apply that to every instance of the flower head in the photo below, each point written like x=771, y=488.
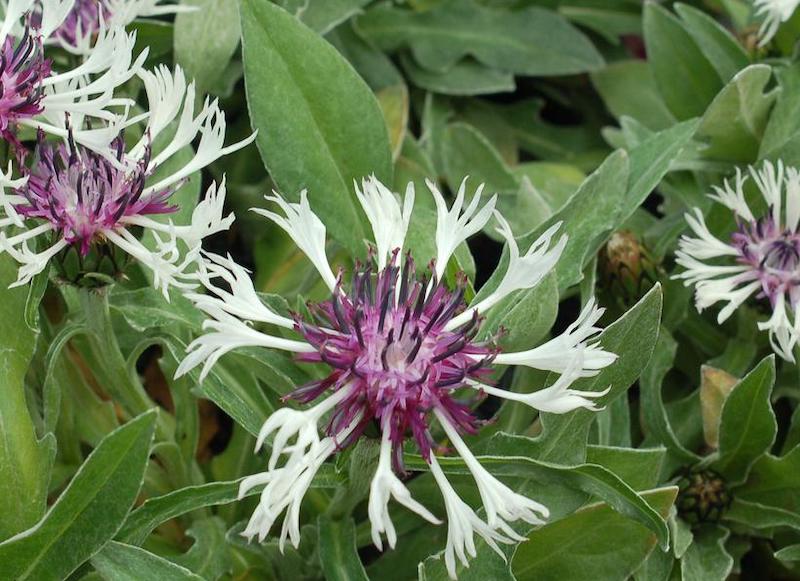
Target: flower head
x=405, y=355
x=774, y=13
x=38, y=94
x=77, y=197
x=761, y=258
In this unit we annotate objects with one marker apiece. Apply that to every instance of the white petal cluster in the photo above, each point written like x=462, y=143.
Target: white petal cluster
x=774, y=13
x=287, y=485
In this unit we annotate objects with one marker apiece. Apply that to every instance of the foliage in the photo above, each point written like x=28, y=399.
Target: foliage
x=607, y=116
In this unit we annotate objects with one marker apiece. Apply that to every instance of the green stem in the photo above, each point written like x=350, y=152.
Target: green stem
x=109, y=364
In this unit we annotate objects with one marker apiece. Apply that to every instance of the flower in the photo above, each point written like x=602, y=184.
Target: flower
x=76, y=197
x=87, y=17
x=39, y=94
x=404, y=355
x=761, y=258
x=774, y=13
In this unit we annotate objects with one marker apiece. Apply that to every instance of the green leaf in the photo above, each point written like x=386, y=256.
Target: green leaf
x=532, y=41
x=735, y=121
x=120, y=562
x=609, y=18
x=320, y=126
x=206, y=39
x=790, y=553
x=324, y=15
x=719, y=46
x=588, y=217
x=706, y=558
x=761, y=516
x=589, y=478
x=632, y=337
x=687, y=80
x=639, y=468
x=594, y=543
x=465, y=78
x=654, y=414
x=782, y=134
x=650, y=161
x=209, y=555
x=337, y=550
x=628, y=88
x=747, y=427
x=24, y=461
x=89, y=512
x=774, y=481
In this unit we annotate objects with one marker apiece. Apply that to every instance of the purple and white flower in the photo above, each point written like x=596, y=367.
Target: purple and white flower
x=760, y=259
x=405, y=354
x=774, y=13
x=41, y=95
x=73, y=196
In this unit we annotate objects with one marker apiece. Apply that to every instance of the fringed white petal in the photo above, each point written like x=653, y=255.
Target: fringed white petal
x=557, y=398
x=783, y=333
x=31, y=263
x=229, y=333
x=385, y=486
x=456, y=224
x=305, y=228
x=462, y=524
x=502, y=504
x=706, y=245
x=241, y=300
x=388, y=220
x=207, y=219
x=286, y=487
x=732, y=196
x=557, y=353
x=522, y=272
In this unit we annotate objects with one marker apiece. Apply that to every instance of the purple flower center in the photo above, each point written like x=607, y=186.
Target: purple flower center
x=84, y=194
x=22, y=68
x=774, y=254
x=387, y=344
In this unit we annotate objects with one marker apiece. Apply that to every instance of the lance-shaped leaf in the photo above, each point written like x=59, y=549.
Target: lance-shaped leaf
x=120, y=562
x=320, y=126
x=89, y=512
x=532, y=41
x=24, y=461
x=747, y=427
x=594, y=543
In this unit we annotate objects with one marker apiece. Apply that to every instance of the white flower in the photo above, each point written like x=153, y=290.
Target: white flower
x=391, y=342
x=762, y=257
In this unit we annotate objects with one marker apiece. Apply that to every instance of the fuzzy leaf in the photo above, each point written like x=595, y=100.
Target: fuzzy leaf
x=320, y=126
